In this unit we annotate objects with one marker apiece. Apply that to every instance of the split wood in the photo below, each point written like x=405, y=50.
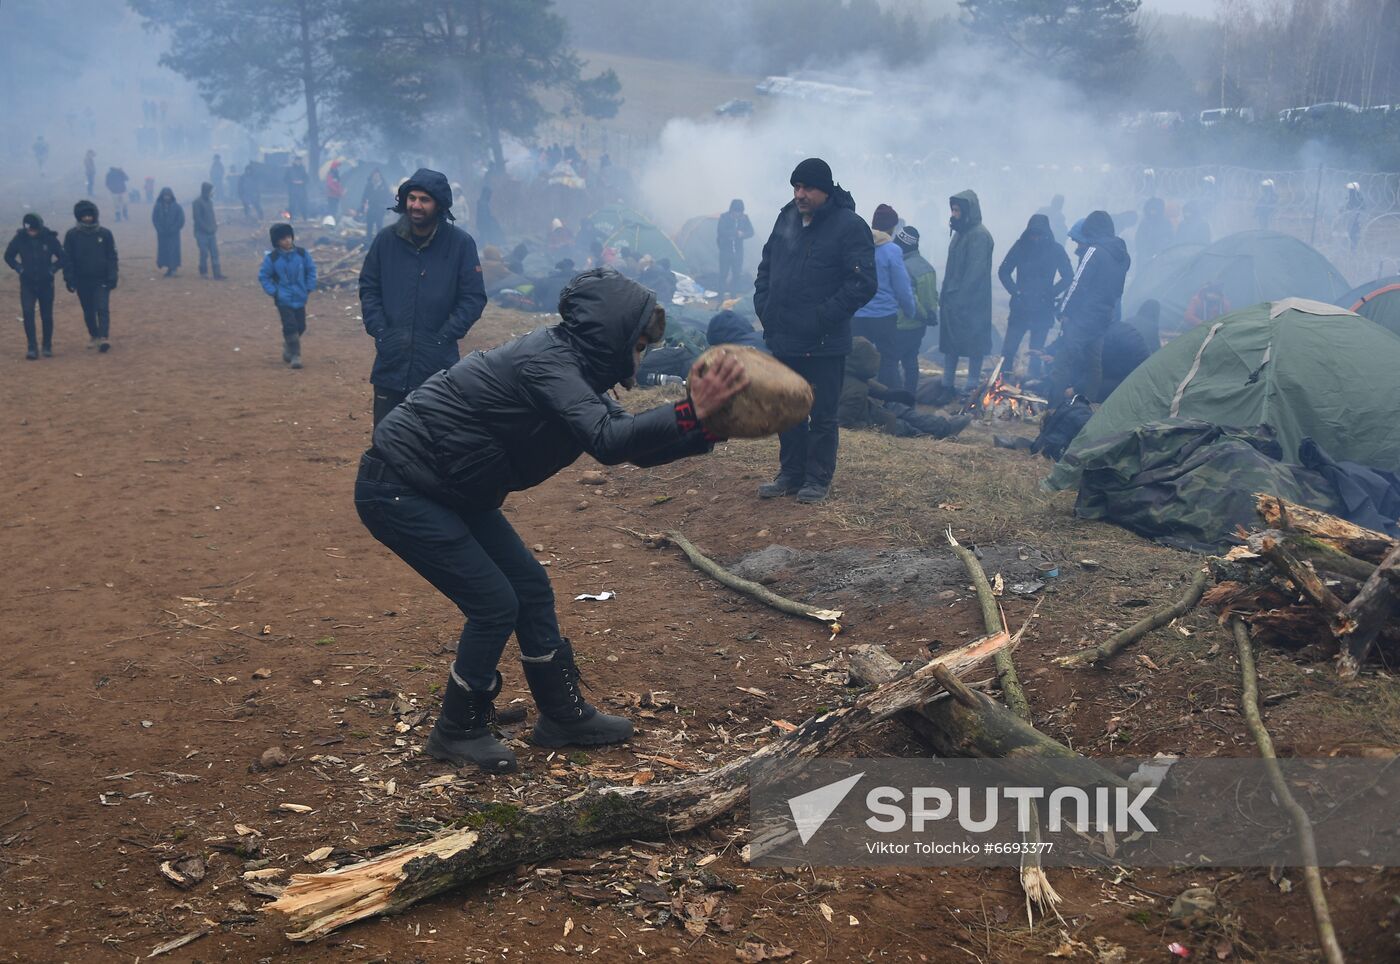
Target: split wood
x=504, y=836
x=1249, y=702
x=1121, y=640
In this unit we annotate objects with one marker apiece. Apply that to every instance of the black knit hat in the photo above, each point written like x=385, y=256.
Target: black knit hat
x=32, y=220
x=813, y=172
x=279, y=231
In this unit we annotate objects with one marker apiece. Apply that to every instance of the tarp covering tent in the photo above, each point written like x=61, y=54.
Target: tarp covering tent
x=1250, y=267
x=1149, y=276
x=1304, y=368
x=1379, y=301
x=644, y=238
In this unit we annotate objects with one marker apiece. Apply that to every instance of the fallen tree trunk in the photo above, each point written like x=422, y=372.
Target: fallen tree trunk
x=1346, y=537
x=503, y=836
x=965, y=723
x=1120, y=641
x=1359, y=622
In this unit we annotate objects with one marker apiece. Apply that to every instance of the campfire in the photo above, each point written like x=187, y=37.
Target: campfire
x=998, y=398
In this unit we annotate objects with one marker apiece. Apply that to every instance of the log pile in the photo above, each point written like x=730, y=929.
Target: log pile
x=1305, y=578
x=336, y=267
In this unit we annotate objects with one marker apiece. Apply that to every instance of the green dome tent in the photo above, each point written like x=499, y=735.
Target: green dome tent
x=696, y=239
x=1149, y=277
x=1306, y=369
x=1379, y=301
x=1251, y=267
x=610, y=217
x=644, y=238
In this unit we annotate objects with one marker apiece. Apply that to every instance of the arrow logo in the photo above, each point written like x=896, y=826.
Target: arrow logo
x=810, y=809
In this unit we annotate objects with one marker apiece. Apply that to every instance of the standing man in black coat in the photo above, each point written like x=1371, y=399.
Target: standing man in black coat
x=501, y=421
x=818, y=268
x=1035, y=272
x=90, y=269
x=1089, y=308
x=36, y=256
x=420, y=290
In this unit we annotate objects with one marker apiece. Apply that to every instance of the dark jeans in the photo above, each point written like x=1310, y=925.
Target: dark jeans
x=208, y=252
x=1078, y=364
x=94, y=297
x=906, y=352
x=474, y=559
x=1015, y=331
x=807, y=452
x=294, y=322
x=974, y=371
x=385, y=401
x=38, y=291
x=731, y=267
x=881, y=333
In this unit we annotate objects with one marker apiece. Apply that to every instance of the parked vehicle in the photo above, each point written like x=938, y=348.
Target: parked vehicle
x=1209, y=118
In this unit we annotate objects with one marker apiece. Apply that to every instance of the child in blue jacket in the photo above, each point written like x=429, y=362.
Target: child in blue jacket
x=288, y=275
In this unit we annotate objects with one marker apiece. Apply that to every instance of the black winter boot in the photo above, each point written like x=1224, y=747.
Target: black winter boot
x=566, y=719
x=294, y=348
x=467, y=738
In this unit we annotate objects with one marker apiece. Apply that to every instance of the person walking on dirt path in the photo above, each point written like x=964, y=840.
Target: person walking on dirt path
x=206, y=231
x=36, y=256
x=431, y=486
x=295, y=179
x=965, y=305
x=818, y=267
x=288, y=275
x=216, y=176
x=116, y=181
x=90, y=169
x=421, y=290
x=168, y=218
x=90, y=269
x=733, y=229
x=375, y=200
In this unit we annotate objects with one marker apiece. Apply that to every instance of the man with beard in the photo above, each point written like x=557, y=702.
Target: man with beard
x=90, y=269
x=36, y=256
x=421, y=290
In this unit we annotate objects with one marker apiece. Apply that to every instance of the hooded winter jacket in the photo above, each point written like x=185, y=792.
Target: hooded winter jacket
x=813, y=278
x=894, y=292
x=89, y=251
x=205, y=221
x=727, y=328
x=1093, y=297
x=504, y=420
x=288, y=276
x=1035, y=272
x=37, y=259
x=168, y=218
x=965, y=306
x=418, y=300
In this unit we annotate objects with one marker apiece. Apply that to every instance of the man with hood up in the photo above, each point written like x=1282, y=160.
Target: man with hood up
x=421, y=290
x=1154, y=232
x=90, y=269
x=1035, y=272
x=36, y=256
x=206, y=229
x=965, y=306
x=168, y=218
x=1090, y=306
x=733, y=228
x=818, y=268
x=501, y=421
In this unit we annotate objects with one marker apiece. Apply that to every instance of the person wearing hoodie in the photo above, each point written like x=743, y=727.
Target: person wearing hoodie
x=1090, y=306
x=817, y=270
x=909, y=329
x=90, y=269
x=206, y=230
x=420, y=290
x=1154, y=232
x=168, y=218
x=730, y=233
x=442, y=463
x=878, y=319
x=36, y=256
x=965, y=306
x=727, y=328
x=288, y=275
x=1035, y=272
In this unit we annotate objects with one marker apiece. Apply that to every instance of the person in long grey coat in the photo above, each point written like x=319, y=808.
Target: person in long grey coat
x=168, y=218
x=965, y=304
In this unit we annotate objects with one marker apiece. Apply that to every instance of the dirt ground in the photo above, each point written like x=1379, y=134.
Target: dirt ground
x=191, y=587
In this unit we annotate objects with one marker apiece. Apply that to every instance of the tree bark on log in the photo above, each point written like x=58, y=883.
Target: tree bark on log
x=1125, y=638
x=1359, y=623
x=1324, y=558
x=1344, y=536
x=502, y=836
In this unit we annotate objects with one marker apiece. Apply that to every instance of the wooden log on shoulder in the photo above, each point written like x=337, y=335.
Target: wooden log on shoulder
x=1344, y=536
x=503, y=836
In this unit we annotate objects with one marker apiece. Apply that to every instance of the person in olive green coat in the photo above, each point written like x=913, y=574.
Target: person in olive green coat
x=965, y=307
x=909, y=332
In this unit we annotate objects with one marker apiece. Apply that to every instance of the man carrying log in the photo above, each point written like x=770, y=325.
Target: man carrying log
x=442, y=463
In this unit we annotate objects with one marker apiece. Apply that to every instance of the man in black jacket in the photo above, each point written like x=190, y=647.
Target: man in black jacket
x=1090, y=306
x=420, y=290
x=501, y=421
x=818, y=268
x=90, y=269
x=35, y=254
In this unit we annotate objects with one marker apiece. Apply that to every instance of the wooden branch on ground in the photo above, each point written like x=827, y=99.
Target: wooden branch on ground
x=991, y=621
x=1121, y=640
x=1358, y=623
x=504, y=836
x=722, y=575
x=1345, y=537
x=1249, y=701
x=1304, y=578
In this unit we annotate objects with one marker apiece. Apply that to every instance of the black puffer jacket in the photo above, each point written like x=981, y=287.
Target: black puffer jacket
x=1035, y=272
x=1091, y=303
x=504, y=420
x=89, y=251
x=813, y=279
x=37, y=259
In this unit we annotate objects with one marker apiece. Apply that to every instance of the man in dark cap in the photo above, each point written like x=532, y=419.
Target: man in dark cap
x=36, y=256
x=734, y=226
x=818, y=268
x=421, y=290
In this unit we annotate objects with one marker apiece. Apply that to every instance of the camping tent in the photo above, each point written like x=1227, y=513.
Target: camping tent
x=610, y=217
x=1149, y=276
x=696, y=239
x=1379, y=301
x=1306, y=369
x=1251, y=267
x=644, y=238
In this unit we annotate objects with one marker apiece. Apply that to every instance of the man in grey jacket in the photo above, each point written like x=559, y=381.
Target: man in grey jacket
x=206, y=228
